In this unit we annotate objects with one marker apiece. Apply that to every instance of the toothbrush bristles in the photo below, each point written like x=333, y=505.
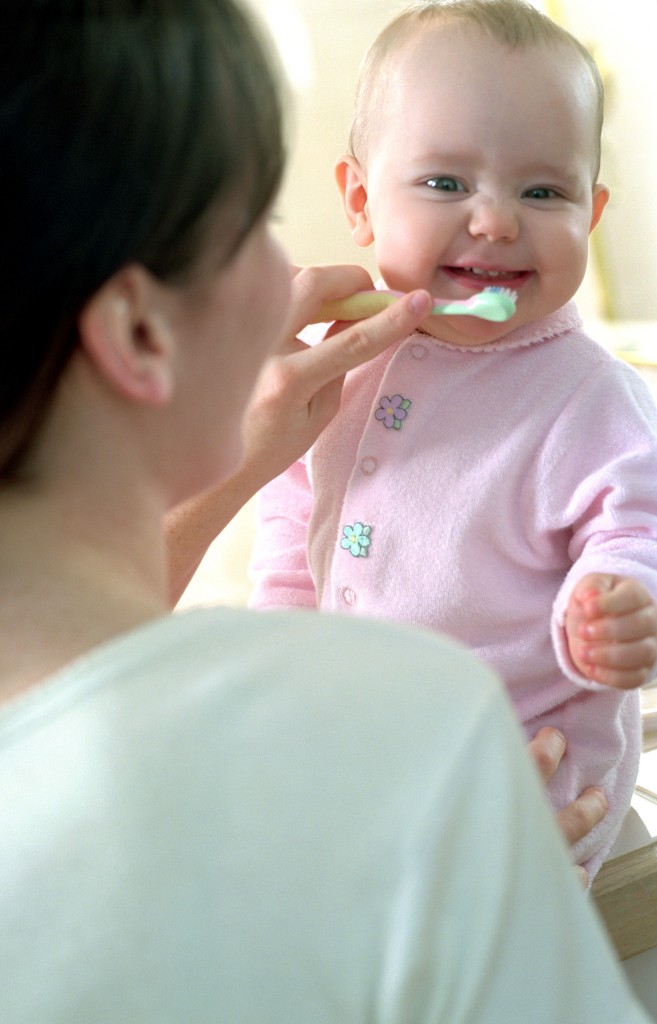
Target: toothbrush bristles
x=499, y=290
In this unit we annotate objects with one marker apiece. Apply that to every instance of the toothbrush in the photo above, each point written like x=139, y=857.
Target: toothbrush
x=493, y=303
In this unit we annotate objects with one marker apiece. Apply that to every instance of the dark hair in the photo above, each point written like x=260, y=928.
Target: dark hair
x=124, y=125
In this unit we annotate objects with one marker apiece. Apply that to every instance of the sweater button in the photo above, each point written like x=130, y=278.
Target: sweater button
x=368, y=465
x=418, y=351
x=348, y=595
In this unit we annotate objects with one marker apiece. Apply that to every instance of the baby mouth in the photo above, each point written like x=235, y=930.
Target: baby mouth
x=487, y=276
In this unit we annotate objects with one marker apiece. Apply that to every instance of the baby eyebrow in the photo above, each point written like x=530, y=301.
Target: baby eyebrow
x=442, y=159
x=550, y=176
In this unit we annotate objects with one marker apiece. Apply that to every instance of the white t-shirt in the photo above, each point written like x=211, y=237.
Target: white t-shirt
x=281, y=818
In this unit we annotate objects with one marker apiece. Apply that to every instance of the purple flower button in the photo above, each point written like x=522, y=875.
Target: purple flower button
x=392, y=411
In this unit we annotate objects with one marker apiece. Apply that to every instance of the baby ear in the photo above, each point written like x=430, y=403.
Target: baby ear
x=600, y=200
x=353, y=188
x=124, y=332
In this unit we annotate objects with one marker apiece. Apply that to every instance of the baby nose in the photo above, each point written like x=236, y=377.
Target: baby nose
x=493, y=219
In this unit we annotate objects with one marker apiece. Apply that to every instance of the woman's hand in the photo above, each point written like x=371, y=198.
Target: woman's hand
x=578, y=818
x=297, y=394
x=299, y=390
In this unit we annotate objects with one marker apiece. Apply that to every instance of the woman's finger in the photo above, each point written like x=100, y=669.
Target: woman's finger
x=578, y=818
x=547, y=749
x=313, y=286
x=363, y=340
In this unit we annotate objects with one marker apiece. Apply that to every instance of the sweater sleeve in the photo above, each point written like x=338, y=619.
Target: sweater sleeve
x=279, y=566
x=604, y=474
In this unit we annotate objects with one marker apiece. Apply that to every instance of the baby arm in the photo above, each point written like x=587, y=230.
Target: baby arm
x=279, y=568
x=611, y=630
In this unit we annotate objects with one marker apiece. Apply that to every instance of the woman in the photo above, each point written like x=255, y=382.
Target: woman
x=219, y=815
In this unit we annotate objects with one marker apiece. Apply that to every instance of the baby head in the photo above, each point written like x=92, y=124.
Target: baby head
x=475, y=151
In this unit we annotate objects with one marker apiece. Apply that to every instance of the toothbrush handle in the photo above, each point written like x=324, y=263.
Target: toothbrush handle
x=490, y=304
x=356, y=307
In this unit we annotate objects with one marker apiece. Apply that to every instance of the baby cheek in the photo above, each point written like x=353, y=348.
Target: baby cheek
x=402, y=265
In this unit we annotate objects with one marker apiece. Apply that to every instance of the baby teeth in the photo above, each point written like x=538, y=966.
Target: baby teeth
x=485, y=273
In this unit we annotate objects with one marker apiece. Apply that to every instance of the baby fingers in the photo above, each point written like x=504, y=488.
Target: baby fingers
x=620, y=627
x=621, y=665
x=618, y=596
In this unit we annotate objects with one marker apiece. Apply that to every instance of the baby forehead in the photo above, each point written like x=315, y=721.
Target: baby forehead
x=466, y=45
x=457, y=60
x=437, y=64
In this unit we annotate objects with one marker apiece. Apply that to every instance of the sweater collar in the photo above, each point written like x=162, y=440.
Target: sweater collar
x=552, y=326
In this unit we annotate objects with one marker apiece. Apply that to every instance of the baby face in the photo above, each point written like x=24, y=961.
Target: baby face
x=481, y=172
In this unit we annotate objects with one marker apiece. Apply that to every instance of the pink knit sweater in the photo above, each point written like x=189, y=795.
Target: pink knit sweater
x=467, y=490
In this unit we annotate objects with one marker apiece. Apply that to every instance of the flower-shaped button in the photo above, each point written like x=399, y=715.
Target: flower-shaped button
x=356, y=539
x=392, y=411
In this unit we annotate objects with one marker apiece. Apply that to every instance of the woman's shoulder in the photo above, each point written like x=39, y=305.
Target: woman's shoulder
x=221, y=664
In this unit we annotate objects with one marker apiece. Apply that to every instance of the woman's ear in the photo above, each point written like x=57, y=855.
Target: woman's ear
x=600, y=200
x=124, y=332
x=353, y=188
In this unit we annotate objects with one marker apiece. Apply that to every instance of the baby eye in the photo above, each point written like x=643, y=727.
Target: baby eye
x=444, y=184
x=539, y=193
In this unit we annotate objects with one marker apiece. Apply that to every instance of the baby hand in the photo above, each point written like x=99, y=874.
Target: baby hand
x=611, y=628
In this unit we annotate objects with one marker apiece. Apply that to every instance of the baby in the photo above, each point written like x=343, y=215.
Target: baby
x=497, y=482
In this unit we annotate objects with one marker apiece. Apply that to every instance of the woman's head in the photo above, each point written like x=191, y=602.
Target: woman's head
x=126, y=127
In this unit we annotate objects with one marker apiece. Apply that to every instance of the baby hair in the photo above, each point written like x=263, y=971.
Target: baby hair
x=514, y=23
x=127, y=127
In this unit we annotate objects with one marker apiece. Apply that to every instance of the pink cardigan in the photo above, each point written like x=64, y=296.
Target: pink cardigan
x=467, y=490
